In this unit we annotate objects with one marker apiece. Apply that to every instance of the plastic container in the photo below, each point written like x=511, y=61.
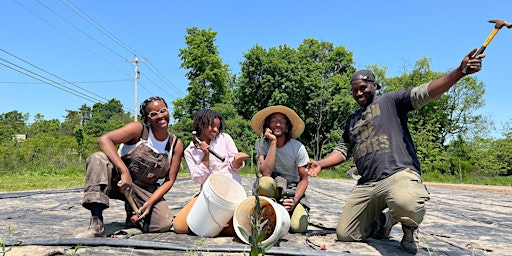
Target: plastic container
x=278, y=218
x=215, y=205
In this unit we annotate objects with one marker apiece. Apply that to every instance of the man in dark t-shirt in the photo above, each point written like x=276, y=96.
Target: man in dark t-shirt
x=390, y=189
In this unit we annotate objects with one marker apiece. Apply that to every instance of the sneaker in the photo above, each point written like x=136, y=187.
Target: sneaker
x=95, y=229
x=408, y=243
x=384, y=225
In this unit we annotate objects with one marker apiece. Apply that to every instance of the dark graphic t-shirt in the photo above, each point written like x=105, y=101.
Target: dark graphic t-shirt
x=379, y=139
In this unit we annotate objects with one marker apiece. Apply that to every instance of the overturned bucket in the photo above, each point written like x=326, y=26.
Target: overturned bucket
x=215, y=205
x=277, y=217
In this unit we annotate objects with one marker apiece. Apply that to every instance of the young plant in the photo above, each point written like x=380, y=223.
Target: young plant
x=5, y=249
x=259, y=227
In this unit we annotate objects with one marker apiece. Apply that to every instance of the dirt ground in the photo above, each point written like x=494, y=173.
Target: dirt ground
x=505, y=190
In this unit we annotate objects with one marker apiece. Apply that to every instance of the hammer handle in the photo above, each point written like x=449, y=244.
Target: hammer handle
x=221, y=158
x=129, y=198
x=480, y=51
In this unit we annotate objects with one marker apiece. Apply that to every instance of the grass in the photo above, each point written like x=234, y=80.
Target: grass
x=75, y=177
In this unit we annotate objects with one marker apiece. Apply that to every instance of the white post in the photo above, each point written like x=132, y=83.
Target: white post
x=137, y=76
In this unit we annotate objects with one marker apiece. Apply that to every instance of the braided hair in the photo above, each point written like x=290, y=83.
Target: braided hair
x=144, y=107
x=205, y=117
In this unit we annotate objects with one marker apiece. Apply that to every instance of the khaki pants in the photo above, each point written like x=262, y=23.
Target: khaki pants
x=299, y=217
x=101, y=185
x=403, y=193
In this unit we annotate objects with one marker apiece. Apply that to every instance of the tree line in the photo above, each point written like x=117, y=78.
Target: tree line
x=312, y=79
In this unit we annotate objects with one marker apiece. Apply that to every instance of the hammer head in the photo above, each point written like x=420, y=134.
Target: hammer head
x=500, y=23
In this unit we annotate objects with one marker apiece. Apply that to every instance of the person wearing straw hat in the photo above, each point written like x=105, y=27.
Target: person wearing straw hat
x=282, y=162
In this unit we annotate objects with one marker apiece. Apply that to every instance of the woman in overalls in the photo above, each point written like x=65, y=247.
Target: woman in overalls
x=147, y=154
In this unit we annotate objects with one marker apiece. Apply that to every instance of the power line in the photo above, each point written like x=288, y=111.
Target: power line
x=79, y=30
x=50, y=73
x=84, y=82
x=77, y=11
x=103, y=30
x=68, y=90
x=98, y=26
x=51, y=82
x=70, y=37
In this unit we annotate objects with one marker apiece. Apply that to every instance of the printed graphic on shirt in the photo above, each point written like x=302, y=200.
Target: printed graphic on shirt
x=363, y=130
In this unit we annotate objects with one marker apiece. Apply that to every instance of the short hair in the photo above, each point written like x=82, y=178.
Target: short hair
x=207, y=116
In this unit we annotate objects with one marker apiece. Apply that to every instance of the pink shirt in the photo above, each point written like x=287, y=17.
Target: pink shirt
x=225, y=146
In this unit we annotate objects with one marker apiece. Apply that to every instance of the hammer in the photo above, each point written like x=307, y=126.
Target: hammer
x=498, y=24
x=129, y=198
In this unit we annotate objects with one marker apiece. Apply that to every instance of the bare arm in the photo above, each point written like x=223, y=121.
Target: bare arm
x=441, y=85
x=267, y=162
x=333, y=159
x=128, y=134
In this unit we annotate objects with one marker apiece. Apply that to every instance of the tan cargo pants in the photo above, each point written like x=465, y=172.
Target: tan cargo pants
x=403, y=193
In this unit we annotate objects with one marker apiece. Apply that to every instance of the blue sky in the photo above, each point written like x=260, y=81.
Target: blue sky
x=82, y=46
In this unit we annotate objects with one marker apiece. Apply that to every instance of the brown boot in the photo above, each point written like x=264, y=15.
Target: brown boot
x=95, y=229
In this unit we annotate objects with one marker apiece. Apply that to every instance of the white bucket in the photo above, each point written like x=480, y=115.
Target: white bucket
x=215, y=205
x=277, y=216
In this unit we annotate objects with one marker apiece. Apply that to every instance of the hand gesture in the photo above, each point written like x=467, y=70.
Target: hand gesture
x=313, y=168
x=269, y=135
x=239, y=158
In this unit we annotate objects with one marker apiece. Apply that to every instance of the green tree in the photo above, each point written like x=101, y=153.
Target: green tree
x=328, y=102
x=106, y=117
x=207, y=76
x=71, y=120
x=15, y=120
x=79, y=137
x=451, y=114
x=40, y=125
x=312, y=80
x=237, y=127
x=6, y=133
x=269, y=77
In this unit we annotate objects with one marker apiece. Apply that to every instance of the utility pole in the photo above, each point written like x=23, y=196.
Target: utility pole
x=137, y=75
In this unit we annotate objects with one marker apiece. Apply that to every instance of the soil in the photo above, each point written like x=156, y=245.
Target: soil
x=505, y=190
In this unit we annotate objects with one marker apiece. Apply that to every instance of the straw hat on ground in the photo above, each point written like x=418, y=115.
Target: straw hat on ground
x=258, y=119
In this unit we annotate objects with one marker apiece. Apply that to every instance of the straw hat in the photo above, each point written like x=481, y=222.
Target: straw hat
x=259, y=118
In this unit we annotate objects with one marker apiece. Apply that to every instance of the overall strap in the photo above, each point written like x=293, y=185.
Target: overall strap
x=142, y=132
x=171, y=145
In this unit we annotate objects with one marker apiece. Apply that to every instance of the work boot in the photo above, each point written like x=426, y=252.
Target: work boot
x=95, y=229
x=384, y=225
x=408, y=243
